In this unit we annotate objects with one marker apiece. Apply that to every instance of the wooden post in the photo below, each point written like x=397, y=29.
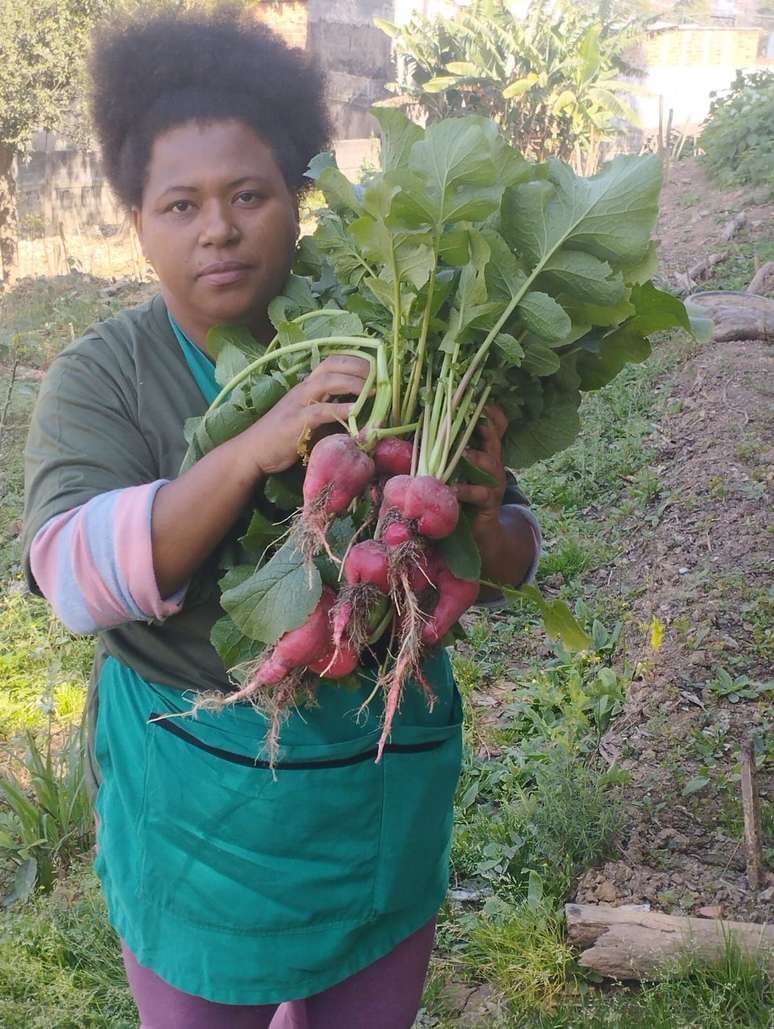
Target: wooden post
x=65, y=254
x=660, y=124
x=752, y=816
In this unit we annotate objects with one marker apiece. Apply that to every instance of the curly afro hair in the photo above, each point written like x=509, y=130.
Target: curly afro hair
x=149, y=76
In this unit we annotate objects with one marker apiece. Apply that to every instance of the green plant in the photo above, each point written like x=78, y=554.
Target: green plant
x=552, y=79
x=42, y=48
x=739, y=688
x=51, y=810
x=738, y=135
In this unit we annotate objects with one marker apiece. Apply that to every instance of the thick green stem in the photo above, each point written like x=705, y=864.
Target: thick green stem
x=381, y=409
x=415, y=449
x=447, y=474
x=359, y=404
x=410, y=406
x=290, y=348
x=424, y=447
x=394, y=430
x=396, y=341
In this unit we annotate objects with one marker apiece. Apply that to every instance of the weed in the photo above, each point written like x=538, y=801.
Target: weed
x=51, y=815
x=520, y=949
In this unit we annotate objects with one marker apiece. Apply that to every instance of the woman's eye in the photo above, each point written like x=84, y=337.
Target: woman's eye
x=180, y=206
x=249, y=196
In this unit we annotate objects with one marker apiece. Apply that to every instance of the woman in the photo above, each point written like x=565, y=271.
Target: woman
x=232, y=892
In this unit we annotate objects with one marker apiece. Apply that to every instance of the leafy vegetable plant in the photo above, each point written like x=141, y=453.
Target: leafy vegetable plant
x=464, y=275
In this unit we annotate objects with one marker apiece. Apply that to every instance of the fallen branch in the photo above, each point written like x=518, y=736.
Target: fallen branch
x=631, y=942
x=737, y=315
x=702, y=268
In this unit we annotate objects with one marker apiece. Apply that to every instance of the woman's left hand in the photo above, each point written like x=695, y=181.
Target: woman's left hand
x=489, y=458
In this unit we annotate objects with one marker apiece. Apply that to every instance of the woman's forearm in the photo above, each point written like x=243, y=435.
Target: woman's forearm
x=508, y=547
x=192, y=514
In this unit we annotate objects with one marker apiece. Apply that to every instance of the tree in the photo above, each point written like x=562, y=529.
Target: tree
x=42, y=48
x=553, y=78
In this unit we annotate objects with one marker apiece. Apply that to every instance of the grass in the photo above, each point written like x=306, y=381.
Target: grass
x=60, y=963
x=43, y=667
x=737, y=271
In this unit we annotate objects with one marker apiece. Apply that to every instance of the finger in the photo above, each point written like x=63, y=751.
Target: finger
x=479, y=496
x=497, y=418
x=345, y=364
x=323, y=414
x=332, y=384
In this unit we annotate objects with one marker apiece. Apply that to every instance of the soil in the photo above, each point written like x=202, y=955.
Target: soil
x=699, y=559
x=694, y=214
x=696, y=572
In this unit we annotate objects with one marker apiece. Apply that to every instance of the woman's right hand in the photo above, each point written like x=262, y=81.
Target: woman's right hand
x=272, y=444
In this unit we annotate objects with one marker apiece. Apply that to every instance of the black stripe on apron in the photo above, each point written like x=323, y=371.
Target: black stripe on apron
x=166, y=723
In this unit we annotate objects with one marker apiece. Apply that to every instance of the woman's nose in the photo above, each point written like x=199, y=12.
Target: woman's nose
x=218, y=225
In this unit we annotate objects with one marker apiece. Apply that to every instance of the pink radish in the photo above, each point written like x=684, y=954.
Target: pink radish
x=455, y=596
x=424, y=500
x=336, y=664
x=395, y=533
x=393, y=456
x=368, y=562
x=337, y=473
x=367, y=577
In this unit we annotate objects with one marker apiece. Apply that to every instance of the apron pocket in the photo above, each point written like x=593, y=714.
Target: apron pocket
x=229, y=846
x=421, y=769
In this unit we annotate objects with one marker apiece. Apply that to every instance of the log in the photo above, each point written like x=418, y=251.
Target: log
x=737, y=315
x=631, y=942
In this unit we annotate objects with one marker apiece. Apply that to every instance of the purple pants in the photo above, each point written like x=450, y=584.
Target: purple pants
x=385, y=995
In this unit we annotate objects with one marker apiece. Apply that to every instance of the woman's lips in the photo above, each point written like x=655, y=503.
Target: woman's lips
x=224, y=273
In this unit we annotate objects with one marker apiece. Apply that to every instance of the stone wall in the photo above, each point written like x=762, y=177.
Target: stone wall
x=59, y=184
x=356, y=57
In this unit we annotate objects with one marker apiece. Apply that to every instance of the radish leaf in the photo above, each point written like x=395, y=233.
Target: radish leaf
x=277, y=597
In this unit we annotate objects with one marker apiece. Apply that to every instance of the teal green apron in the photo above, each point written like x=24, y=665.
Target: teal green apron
x=247, y=886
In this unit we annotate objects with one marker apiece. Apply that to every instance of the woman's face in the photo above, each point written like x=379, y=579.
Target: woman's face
x=218, y=224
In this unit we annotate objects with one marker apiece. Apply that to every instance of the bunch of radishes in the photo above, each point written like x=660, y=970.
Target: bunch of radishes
x=395, y=583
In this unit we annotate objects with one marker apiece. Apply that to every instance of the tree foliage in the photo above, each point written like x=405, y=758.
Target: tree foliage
x=553, y=80
x=42, y=49
x=738, y=135
x=42, y=46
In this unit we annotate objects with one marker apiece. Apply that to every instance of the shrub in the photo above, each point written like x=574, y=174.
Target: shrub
x=738, y=135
